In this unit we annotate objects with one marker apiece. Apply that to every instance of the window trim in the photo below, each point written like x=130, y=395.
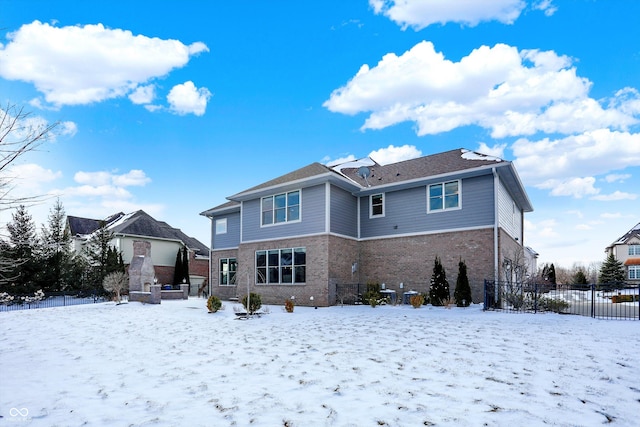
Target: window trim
x=633, y=249
x=228, y=262
x=444, y=208
x=380, y=215
x=293, y=266
x=221, y=222
x=286, y=209
x=636, y=270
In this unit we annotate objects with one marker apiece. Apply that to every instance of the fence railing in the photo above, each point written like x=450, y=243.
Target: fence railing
x=605, y=301
x=52, y=299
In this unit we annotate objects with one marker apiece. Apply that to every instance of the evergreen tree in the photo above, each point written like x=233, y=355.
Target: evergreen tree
x=462, y=293
x=549, y=273
x=612, y=271
x=439, y=290
x=178, y=270
x=55, y=274
x=185, y=265
x=580, y=278
x=101, y=256
x=23, y=247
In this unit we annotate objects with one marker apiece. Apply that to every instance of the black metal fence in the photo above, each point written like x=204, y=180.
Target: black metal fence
x=604, y=301
x=52, y=299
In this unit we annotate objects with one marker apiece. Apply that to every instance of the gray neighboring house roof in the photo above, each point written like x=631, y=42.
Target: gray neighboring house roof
x=348, y=175
x=137, y=223
x=634, y=232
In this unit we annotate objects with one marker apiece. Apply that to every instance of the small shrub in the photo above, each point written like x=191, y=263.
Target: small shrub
x=553, y=304
x=288, y=305
x=372, y=294
x=255, y=302
x=213, y=304
x=416, y=300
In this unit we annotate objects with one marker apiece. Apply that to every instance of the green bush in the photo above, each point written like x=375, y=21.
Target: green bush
x=213, y=304
x=553, y=304
x=255, y=302
x=372, y=294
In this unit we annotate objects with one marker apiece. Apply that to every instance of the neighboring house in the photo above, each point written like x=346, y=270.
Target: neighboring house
x=627, y=250
x=303, y=233
x=165, y=240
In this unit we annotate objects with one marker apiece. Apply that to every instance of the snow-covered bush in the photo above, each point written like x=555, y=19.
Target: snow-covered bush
x=5, y=298
x=37, y=296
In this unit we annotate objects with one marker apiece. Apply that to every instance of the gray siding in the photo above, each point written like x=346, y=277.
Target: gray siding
x=406, y=211
x=312, y=218
x=230, y=239
x=344, y=212
x=509, y=216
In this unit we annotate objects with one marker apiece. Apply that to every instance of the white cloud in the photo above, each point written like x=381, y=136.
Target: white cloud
x=329, y=162
x=134, y=177
x=614, y=177
x=393, y=154
x=29, y=178
x=576, y=187
x=545, y=6
x=616, y=195
x=186, y=98
x=419, y=14
x=85, y=64
x=143, y=94
x=510, y=92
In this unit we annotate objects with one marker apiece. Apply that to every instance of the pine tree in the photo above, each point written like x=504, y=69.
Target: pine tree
x=549, y=273
x=439, y=290
x=612, y=271
x=100, y=255
x=56, y=251
x=462, y=293
x=580, y=278
x=23, y=244
x=185, y=265
x=178, y=270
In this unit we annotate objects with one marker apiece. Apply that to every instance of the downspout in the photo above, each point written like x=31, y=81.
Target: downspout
x=496, y=187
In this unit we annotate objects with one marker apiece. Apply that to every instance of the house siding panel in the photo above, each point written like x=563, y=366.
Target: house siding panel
x=230, y=239
x=406, y=211
x=312, y=218
x=344, y=209
x=509, y=216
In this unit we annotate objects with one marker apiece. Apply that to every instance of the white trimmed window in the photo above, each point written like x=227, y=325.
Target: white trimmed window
x=228, y=268
x=221, y=226
x=376, y=205
x=443, y=196
x=634, y=249
x=281, y=266
x=634, y=272
x=280, y=208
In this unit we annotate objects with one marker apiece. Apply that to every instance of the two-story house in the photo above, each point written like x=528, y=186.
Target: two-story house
x=304, y=232
x=627, y=250
x=165, y=241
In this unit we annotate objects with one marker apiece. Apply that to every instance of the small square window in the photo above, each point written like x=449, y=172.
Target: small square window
x=221, y=226
x=376, y=202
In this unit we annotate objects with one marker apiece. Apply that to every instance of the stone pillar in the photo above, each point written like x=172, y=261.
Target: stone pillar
x=156, y=294
x=185, y=290
x=141, y=270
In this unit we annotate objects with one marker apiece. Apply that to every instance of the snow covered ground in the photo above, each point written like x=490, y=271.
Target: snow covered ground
x=174, y=364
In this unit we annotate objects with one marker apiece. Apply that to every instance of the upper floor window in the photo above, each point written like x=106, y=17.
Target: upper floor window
x=376, y=205
x=281, y=208
x=444, y=196
x=634, y=249
x=221, y=226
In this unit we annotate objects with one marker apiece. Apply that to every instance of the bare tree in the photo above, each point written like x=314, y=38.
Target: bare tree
x=115, y=283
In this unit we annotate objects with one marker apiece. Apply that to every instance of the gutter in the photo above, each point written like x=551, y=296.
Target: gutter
x=496, y=187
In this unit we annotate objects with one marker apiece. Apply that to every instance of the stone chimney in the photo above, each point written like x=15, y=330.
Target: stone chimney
x=141, y=271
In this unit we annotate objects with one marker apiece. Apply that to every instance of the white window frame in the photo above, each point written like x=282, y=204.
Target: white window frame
x=634, y=272
x=634, y=249
x=286, y=209
x=444, y=208
x=221, y=226
x=371, y=214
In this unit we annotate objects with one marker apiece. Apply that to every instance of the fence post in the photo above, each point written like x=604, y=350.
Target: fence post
x=535, y=298
x=593, y=300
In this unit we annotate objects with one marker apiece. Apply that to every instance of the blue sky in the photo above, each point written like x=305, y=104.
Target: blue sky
x=172, y=106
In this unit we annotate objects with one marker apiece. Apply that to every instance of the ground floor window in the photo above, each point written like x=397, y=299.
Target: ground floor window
x=228, y=269
x=281, y=266
x=634, y=272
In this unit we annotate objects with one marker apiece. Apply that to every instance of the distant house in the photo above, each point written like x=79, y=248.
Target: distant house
x=304, y=233
x=627, y=250
x=165, y=240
